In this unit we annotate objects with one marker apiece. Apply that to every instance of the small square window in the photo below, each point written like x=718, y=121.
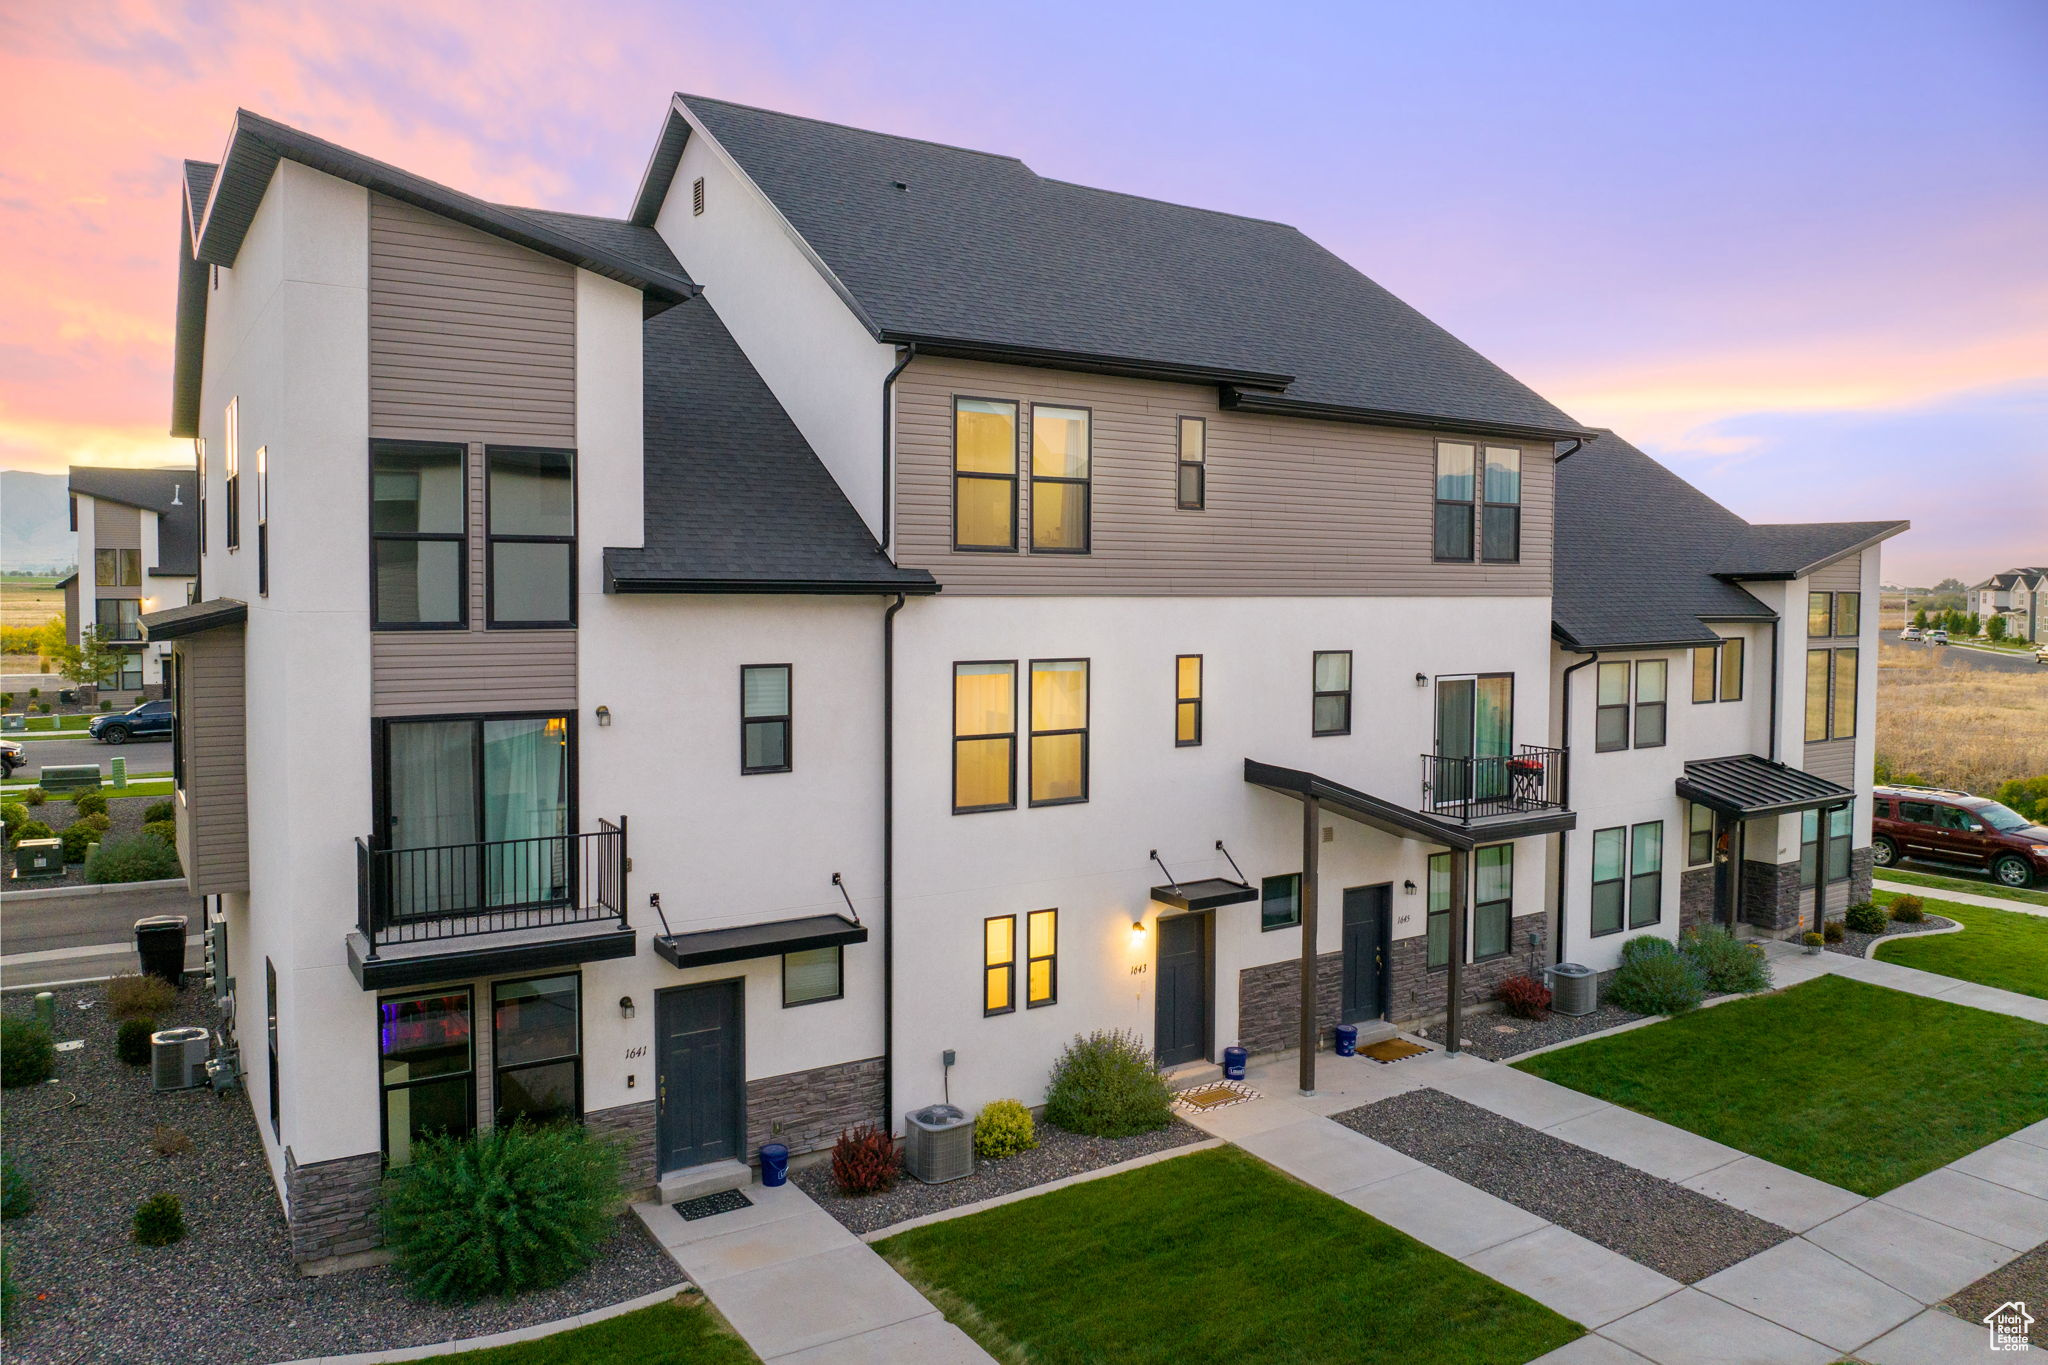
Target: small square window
x=1280, y=901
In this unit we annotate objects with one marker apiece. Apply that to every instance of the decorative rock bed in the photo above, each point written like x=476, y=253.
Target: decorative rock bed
x=1497, y=1037
x=227, y=1294
x=1058, y=1154
x=2020, y=1281
x=1854, y=944
x=126, y=813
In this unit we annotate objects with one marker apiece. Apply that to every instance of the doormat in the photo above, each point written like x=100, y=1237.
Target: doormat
x=1392, y=1050
x=725, y=1201
x=1215, y=1095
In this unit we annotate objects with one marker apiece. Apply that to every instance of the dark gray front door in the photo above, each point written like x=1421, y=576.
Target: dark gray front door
x=1181, y=1005
x=1366, y=913
x=698, y=1032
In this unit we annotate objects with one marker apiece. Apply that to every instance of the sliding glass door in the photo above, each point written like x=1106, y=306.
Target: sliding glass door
x=1475, y=732
x=479, y=810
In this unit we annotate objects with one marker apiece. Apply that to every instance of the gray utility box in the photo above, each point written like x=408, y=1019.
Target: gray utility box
x=938, y=1144
x=39, y=858
x=1574, y=988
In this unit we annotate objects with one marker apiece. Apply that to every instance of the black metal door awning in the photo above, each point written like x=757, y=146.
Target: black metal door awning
x=1205, y=893
x=1748, y=786
x=1399, y=821
x=707, y=947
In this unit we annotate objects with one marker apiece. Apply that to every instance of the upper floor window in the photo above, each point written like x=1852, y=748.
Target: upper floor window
x=1059, y=731
x=1454, y=489
x=117, y=568
x=1192, y=478
x=1059, y=480
x=232, y=470
x=1831, y=693
x=419, y=546
x=1833, y=614
x=1041, y=958
x=263, y=521
x=1478, y=488
x=1731, y=669
x=1332, y=700
x=1613, y=724
x=1187, y=700
x=984, y=474
x=119, y=618
x=984, y=736
x=1610, y=710
x=1705, y=659
x=199, y=468
x=764, y=718
x=1652, y=678
x=1848, y=613
x=1500, y=531
x=530, y=499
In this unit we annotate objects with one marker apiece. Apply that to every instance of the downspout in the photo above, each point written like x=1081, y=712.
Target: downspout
x=889, y=450
x=889, y=863
x=1564, y=835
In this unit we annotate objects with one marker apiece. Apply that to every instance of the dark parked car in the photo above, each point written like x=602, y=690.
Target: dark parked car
x=1944, y=826
x=150, y=718
x=12, y=756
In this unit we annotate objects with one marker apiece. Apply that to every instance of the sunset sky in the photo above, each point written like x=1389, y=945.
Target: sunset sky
x=1797, y=250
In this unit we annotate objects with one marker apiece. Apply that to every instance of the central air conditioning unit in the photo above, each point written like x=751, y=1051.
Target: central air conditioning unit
x=177, y=1058
x=938, y=1144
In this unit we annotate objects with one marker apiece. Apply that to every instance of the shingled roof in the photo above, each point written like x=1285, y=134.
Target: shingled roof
x=171, y=493
x=968, y=253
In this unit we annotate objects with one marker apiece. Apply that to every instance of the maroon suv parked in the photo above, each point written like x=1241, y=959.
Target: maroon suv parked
x=1955, y=827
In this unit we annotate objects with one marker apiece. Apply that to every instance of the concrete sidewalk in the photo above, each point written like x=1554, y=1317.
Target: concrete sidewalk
x=1791, y=965
x=1988, y=902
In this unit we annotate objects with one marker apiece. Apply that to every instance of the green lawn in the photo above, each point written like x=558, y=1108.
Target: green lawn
x=1217, y=1257
x=1862, y=1087
x=2003, y=948
x=666, y=1334
x=1976, y=888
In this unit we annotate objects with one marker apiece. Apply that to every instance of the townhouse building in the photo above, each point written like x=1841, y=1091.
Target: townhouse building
x=816, y=644
x=2020, y=596
x=138, y=551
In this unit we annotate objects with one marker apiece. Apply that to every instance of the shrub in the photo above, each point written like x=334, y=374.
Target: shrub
x=30, y=829
x=1813, y=940
x=1524, y=997
x=1729, y=965
x=140, y=997
x=160, y=1220
x=34, y=796
x=81, y=834
x=35, y=692
x=501, y=1212
x=2026, y=795
x=131, y=1040
x=1833, y=932
x=1645, y=946
x=90, y=803
x=17, y=1196
x=1865, y=918
x=107, y=705
x=13, y=815
x=1909, y=910
x=159, y=810
x=28, y=1055
x=1108, y=1085
x=1003, y=1128
x=1654, y=982
x=163, y=831
x=144, y=857
x=865, y=1160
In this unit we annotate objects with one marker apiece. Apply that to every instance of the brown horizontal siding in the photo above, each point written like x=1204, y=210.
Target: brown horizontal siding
x=115, y=526
x=424, y=673
x=213, y=808
x=1294, y=506
x=1834, y=759
x=1844, y=575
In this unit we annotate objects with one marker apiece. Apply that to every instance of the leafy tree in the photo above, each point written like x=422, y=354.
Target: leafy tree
x=1950, y=585
x=93, y=662
x=2028, y=796
x=1975, y=623
x=1920, y=619
x=1995, y=628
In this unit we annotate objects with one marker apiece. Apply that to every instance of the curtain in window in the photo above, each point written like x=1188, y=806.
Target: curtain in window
x=1439, y=911
x=432, y=792
x=1493, y=731
x=526, y=798
x=1493, y=890
x=1454, y=708
x=1610, y=854
x=1646, y=881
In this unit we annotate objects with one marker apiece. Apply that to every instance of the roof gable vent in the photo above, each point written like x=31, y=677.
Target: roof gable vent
x=697, y=195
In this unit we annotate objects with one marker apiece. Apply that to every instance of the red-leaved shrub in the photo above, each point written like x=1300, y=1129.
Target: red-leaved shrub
x=865, y=1160
x=1524, y=997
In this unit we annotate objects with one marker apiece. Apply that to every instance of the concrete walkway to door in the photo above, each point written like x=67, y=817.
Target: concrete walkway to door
x=802, y=1289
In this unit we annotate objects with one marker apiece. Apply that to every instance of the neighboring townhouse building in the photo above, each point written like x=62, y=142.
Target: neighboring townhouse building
x=2017, y=595
x=1993, y=595
x=818, y=644
x=138, y=551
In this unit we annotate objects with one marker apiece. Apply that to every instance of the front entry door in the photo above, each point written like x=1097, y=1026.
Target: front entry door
x=700, y=1073
x=1181, y=999
x=1367, y=911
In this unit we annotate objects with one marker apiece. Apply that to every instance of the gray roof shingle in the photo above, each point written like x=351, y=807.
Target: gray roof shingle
x=171, y=493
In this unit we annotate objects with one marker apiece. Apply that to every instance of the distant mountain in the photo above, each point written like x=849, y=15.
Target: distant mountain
x=35, y=521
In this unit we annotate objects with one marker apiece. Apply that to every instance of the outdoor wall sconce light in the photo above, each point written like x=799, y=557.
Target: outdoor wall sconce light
x=626, y=1007
x=604, y=715
x=1422, y=679
x=1407, y=888
x=1137, y=930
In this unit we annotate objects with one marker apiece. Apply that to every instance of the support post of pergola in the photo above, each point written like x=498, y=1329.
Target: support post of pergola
x=1311, y=843
x=1454, y=1018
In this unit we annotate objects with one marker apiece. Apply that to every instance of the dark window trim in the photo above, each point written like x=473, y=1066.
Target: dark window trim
x=1009, y=967
x=1195, y=701
x=953, y=723
x=1639, y=706
x=497, y=1090
x=1087, y=485
x=112, y=631
x=785, y=719
x=1594, y=881
x=1350, y=682
x=839, y=950
x=1734, y=647
x=270, y=1032
x=1295, y=922
x=1626, y=706
x=380, y=761
x=231, y=471
x=461, y=538
x=1828, y=629
x=1712, y=652
x=492, y=540
x=1051, y=959
x=1693, y=831
x=127, y=567
x=263, y=521
x=1835, y=730
x=199, y=469
x=1087, y=716
x=1635, y=876
x=1471, y=505
x=384, y=1087
x=1856, y=611
x=178, y=720
x=1484, y=505
x=1472, y=929
x=1182, y=464
x=1429, y=913
x=1016, y=407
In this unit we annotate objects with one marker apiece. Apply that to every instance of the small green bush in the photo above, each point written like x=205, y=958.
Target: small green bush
x=1651, y=981
x=1909, y=910
x=131, y=1040
x=158, y=810
x=1813, y=940
x=1865, y=918
x=1107, y=1084
x=140, y=997
x=1833, y=932
x=500, y=1212
x=1003, y=1128
x=31, y=829
x=34, y=796
x=2026, y=795
x=160, y=1220
x=144, y=857
x=81, y=834
x=165, y=831
x=34, y=692
x=1731, y=967
x=90, y=803
x=17, y=1195
x=28, y=1055
x=13, y=815
x=106, y=705
x=1646, y=946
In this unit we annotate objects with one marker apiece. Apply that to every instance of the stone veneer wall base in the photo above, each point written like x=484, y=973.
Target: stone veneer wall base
x=633, y=1126
x=333, y=1210
x=806, y=1110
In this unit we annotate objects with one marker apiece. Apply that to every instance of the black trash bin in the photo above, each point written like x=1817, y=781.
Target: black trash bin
x=160, y=943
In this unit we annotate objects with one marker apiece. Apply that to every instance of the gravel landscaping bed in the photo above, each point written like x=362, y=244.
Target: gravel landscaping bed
x=2022, y=1281
x=1854, y=944
x=1671, y=1229
x=1498, y=1037
x=57, y=812
x=227, y=1294
x=1058, y=1154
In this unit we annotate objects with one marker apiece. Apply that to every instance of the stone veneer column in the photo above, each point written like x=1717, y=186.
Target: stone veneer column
x=334, y=1207
x=1269, y=1003
x=1772, y=898
x=1696, y=898
x=632, y=1125
x=806, y=1110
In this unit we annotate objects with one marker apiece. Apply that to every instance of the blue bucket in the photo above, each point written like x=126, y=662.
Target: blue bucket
x=1233, y=1063
x=1347, y=1040
x=774, y=1164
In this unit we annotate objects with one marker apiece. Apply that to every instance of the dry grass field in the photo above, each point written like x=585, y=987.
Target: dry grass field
x=1960, y=727
x=27, y=603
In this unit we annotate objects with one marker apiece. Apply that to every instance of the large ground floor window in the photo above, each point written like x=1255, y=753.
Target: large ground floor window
x=426, y=1052
x=537, y=1049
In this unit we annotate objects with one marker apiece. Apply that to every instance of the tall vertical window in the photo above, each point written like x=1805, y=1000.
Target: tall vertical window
x=999, y=964
x=1059, y=480
x=537, y=1049
x=199, y=468
x=1646, y=874
x=1699, y=836
x=1191, y=485
x=1842, y=724
x=1041, y=958
x=1280, y=901
x=119, y=618
x=764, y=718
x=530, y=501
x=1610, y=711
x=1839, y=826
x=476, y=812
x=263, y=521
x=1059, y=731
x=1820, y=615
x=1500, y=530
x=1731, y=669
x=813, y=975
x=1331, y=702
x=117, y=568
x=270, y=1037
x=1610, y=870
x=1809, y=847
x=984, y=474
x=1438, y=913
x=1848, y=613
x=426, y=1054
x=1493, y=900
x=419, y=549
x=1817, y=694
x=984, y=736
x=1704, y=680
x=1651, y=686
x=1454, y=490
x=1187, y=700
x=232, y=469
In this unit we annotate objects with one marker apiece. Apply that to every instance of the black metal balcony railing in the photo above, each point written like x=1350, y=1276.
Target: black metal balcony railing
x=1473, y=788
x=413, y=895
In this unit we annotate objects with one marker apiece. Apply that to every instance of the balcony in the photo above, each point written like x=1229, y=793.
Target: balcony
x=1469, y=788
x=427, y=915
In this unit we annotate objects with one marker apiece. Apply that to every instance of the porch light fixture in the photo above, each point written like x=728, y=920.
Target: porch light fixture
x=1407, y=888
x=1422, y=679
x=604, y=715
x=1137, y=930
x=626, y=1007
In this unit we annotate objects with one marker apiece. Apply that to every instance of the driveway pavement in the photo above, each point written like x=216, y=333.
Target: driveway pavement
x=1961, y=656
x=144, y=756
x=83, y=935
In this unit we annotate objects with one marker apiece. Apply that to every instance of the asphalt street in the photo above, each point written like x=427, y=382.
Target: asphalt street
x=151, y=756
x=82, y=935
x=1954, y=656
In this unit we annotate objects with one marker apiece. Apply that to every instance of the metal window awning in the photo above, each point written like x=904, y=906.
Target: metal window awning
x=708, y=947
x=1206, y=894
x=1749, y=786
